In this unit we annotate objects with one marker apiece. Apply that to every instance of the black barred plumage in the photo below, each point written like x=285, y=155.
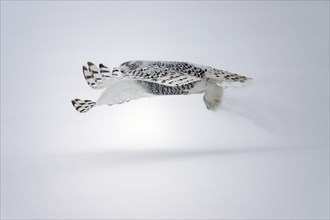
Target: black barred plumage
x=158, y=89
x=137, y=79
x=82, y=106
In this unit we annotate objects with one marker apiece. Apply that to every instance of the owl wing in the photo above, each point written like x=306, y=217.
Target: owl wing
x=96, y=77
x=116, y=92
x=99, y=77
x=120, y=91
x=162, y=75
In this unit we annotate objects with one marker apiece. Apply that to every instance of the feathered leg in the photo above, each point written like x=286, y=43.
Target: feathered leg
x=213, y=96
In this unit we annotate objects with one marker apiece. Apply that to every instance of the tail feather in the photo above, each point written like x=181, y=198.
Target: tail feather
x=82, y=106
x=226, y=76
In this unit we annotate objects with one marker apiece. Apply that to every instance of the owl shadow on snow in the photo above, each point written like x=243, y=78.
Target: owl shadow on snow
x=128, y=157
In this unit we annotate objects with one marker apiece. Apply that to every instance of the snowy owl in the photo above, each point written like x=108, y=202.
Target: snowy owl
x=137, y=79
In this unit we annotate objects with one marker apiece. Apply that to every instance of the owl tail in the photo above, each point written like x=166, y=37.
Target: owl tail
x=226, y=76
x=82, y=106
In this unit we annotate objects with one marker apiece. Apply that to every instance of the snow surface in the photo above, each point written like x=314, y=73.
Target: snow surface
x=264, y=154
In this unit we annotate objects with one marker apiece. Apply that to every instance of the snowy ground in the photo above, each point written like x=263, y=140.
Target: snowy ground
x=162, y=183
x=264, y=154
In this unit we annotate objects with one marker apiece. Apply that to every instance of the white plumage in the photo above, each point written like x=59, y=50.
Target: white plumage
x=138, y=79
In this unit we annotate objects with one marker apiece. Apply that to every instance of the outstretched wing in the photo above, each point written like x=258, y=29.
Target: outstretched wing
x=120, y=91
x=82, y=106
x=96, y=77
x=134, y=64
x=162, y=74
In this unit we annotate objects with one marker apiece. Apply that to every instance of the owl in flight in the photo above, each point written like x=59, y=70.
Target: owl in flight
x=138, y=79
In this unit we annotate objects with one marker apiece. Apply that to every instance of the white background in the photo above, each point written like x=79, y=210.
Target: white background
x=264, y=154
